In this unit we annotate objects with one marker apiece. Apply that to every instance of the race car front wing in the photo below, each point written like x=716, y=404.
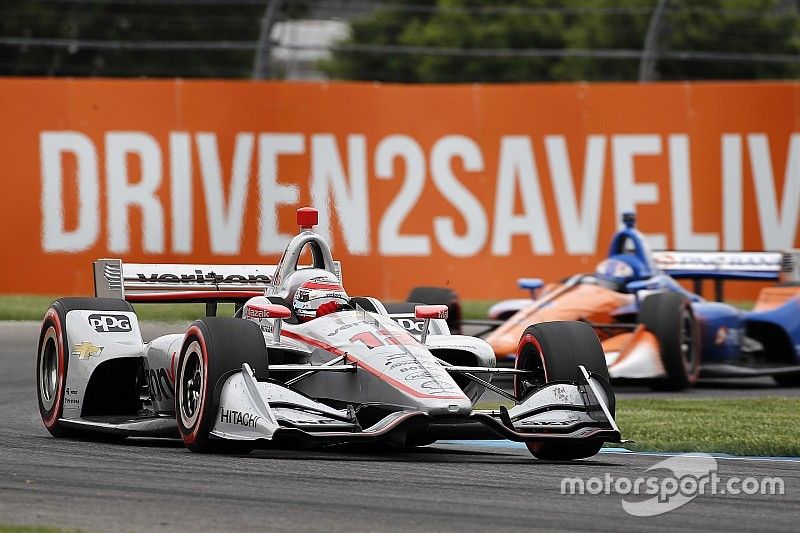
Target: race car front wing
x=269, y=411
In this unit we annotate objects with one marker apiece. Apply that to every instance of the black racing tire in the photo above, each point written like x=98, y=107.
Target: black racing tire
x=554, y=350
x=52, y=358
x=787, y=380
x=440, y=296
x=669, y=316
x=214, y=348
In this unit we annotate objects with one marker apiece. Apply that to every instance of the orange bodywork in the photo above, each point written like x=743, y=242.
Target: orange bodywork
x=582, y=301
x=772, y=297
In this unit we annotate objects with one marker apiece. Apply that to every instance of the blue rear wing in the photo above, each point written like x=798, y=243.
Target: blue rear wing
x=722, y=266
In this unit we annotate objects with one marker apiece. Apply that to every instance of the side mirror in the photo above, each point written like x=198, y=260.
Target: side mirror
x=426, y=313
x=275, y=311
x=531, y=284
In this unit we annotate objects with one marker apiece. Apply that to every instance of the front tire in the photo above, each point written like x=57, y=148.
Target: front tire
x=554, y=350
x=214, y=348
x=669, y=316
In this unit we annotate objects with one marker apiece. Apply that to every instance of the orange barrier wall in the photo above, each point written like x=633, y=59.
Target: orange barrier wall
x=470, y=186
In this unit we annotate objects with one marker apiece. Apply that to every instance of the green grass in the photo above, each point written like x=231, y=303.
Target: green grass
x=27, y=307
x=22, y=307
x=738, y=426
x=34, y=529
x=473, y=309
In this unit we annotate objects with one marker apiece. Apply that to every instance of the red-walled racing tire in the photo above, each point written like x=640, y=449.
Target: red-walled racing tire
x=553, y=350
x=213, y=350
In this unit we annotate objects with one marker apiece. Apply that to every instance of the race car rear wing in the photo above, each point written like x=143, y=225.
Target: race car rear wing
x=163, y=283
x=182, y=283
x=721, y=266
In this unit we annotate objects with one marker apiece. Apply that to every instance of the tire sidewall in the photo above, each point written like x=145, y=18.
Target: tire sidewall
x=225, y=345
x=51, y=416
x=195, y=436
x=562, y=366
x=663, y=315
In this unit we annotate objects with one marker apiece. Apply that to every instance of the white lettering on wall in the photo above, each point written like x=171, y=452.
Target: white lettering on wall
x=350, y=200
x=579, y=227
x=474, y=238
x=517, y=172
x=627, y=193
x=778, y=224
x=225, y=219
x=732, y=191
x=512, y=206
x=683, y=235
x=53, y=145
x=180, y=150
x=123, y=193
x=390, y=241
x=271, y=193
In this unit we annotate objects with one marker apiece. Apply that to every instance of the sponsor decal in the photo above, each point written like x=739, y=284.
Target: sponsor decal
x=103, y=323
x=560, y=394
x=68, y=400
x=342, y=328
x=202, y=278
x=410, y=324
x=86, y=349
x=766, y=261
x=229, y=416
x=383, y=337
x=257, y=313
x=431, y=377
x=565, y=422
x=160, y=384
x=730, y=336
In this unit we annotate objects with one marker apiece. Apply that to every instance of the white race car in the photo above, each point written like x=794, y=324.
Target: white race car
x=302, y=361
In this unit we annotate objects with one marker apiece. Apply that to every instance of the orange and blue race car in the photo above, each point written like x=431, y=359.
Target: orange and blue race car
x=650, y=326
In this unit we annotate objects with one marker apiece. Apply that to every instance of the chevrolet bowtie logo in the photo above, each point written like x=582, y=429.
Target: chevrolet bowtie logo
x=86, y=349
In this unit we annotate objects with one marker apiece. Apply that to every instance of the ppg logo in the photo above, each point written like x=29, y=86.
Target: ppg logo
x=110, y=323
x=408, y=324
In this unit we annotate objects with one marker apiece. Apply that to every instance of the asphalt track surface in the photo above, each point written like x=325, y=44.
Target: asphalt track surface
x=143, y=485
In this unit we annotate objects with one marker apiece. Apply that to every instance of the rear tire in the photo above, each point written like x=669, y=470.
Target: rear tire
x=554, y=350
x=669, y=316
x=213, y=350
x=440, y=296
x=52, y=358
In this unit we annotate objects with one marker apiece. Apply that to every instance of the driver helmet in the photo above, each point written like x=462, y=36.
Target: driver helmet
x=615, y=270
x=317, y=296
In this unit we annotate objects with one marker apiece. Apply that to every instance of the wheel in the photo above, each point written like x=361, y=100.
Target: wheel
x=214, y=348
x=52, y=359
x=669, y=316
x=553, y=350
x=440, y=296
